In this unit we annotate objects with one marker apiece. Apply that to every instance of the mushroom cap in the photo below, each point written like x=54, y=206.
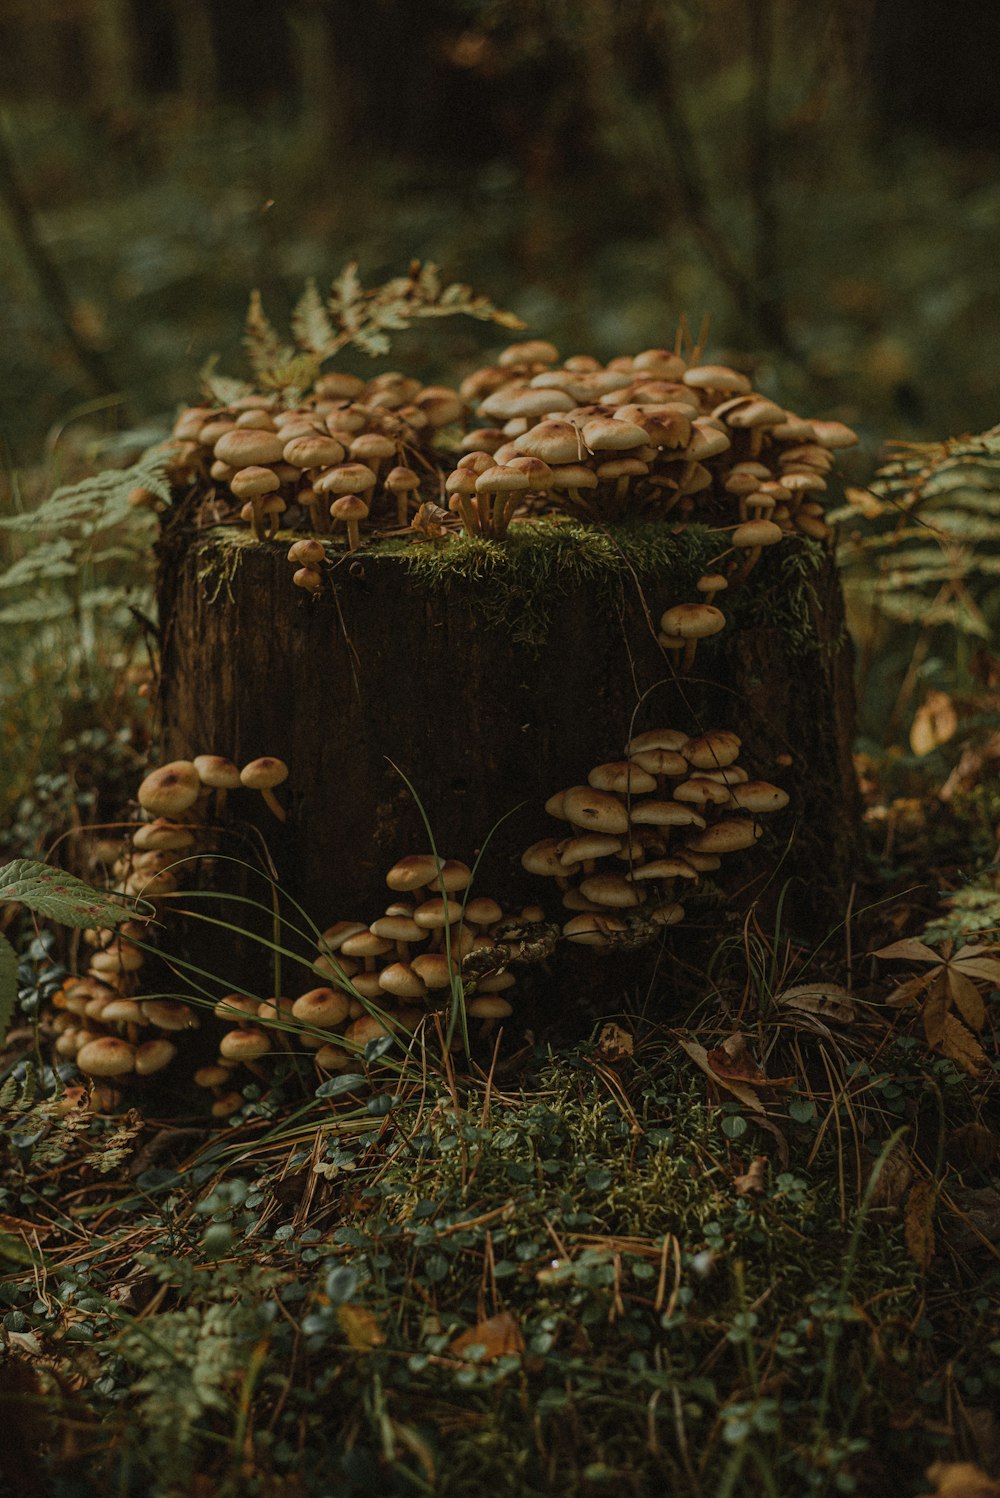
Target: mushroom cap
x=758, y=796
x=488, y=1006
x=592, y=929
x=706, y=442
x=403, y=981
x=667, y=914
x=264, y=773
x=658, y=738
x=612, y=434
x=170, y=1014
x=122, y=1012
x=365, y=1029
x=754, y=411
x=717, y=377
x=413, y=872
x=665, y=814
x=661, y=761
x=107, y=1056
x=333, y=1058
x=544, y=858
x=397, y=928
x=154, y=1055
x=400, y=480
x=461, y=481
x=251, y=483
x=244, y=1045
x=588, y=845
x=728, y=835
x=552, y=441
x=434, y=969
x=334, y=936
x=349, y=507
x=161, y=835
x=212, y=1076
x=834, y=434
x=346, y=479
x=536, y=470
x=307, y=552
x=598, y=811
x=502, y=480
x=171, y=789
x=713, y=750
x=453, y=875
x=432, y=915
x=337, y=386
x=365, y=944
x=573, y=476
x=483, y=911
x=692, y=621
x=321, y=1007
x=611, y=890
x=235, y=1006
x=243, y=447
x=529, y=351
x=754, y=533
x=663, y=868
x=216, y=771
x=622, y=776
x=313, y=450
x=702, y=792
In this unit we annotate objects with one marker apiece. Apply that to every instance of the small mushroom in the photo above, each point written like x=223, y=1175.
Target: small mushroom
x=263, y=775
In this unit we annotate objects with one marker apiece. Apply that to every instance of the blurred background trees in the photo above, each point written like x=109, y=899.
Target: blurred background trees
x=818, y=177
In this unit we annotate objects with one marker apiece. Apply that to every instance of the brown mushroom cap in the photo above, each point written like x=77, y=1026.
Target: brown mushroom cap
x=244, y=1045
x=170, y=1014
x=623, y=776
x=322, y=1008
x=313, y=450
x=216, y=771
x=713, y=750
x=717, y=377
x=665, y=814
x=658, y=738
x=597, y=811
x=593, y=929
x=170, y=790
x=347, y=479
x=545, y=858
x=264, y=773
x=483, y=911
x=692, y=621
x=758, y=796
x=252, y=483
x=434, y=969
x=154, y=1055
x=413, y=872
x=242, y=447
x=552, y=441
x=107, y=1056
x=402, y=981
x=728, y=835
x=161, y=835
x=611, y=890
x=753, y=533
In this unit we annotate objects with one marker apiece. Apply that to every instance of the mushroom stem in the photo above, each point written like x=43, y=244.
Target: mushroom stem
x=353, y=535
x=257, y=514
x=273, y=802
x=470, y=518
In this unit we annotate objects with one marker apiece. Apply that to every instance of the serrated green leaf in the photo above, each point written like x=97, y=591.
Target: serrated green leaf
x=58, y=896
x=8, y=985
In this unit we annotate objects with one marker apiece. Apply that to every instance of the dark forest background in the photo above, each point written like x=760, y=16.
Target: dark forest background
x=818, y=177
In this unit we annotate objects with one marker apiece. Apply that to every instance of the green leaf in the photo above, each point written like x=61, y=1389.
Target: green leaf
x=336, y=1086
x=8, y=986
x=58, y=896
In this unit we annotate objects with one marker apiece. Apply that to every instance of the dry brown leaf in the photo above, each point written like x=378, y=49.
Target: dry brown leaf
x=829, y=1001
x=500, y=1335
x=962, y=1047
x=971, y=961
x=614, y=1043
x=360, y=1327
x=961, y=1480
x=972, y=1144
x=753, y=1182
x=966, y=998
x=918, y=1222
x=934, y=723
x=911, y=949
x=699, y=1056
x=892, y=1181
x=935, y=1012
x=733, y=1062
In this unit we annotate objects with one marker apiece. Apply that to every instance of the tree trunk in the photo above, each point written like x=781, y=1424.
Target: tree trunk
x=491, y=679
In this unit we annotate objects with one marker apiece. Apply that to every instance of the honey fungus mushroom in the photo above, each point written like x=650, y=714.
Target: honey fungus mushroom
x=263, y=775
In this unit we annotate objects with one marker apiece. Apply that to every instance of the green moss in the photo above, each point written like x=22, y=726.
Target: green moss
x=538, y=566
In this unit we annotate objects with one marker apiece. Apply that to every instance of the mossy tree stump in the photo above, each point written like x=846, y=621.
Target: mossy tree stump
x=492, y=676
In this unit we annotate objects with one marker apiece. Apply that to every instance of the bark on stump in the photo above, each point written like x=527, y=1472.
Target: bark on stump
x=493, y=679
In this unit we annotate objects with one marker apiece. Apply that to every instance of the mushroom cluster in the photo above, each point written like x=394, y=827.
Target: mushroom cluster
x=350, y=451
x=378, y=978
x=645, y=434
x=646, y=828
x=532, y=435
x=101, y=1021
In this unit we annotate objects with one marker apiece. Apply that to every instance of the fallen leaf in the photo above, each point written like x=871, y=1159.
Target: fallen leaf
x=827, y=1000
x=962, y=1047
x=934, y=723
x=699, y=1056
x=614, y=1043
x=966, y=998
x=500, y=1335
x=753, y=1183
x=733, y=1061
x=972, y=1144
x=360, y=1327
x=892, y=1181
x=911, y=949
x=935, y=1012
x=961, y=1480
x=918, y=1222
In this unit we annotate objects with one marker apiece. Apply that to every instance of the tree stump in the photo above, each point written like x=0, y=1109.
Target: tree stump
x=491, y=676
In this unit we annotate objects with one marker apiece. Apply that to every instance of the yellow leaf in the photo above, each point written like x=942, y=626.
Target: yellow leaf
x=962, y=1047
x=753, y=1183
x=360, y=1327
x=498, y=1336
x=961, y=1480
x=967, y=999
x=918, y=1222
x=934, y=723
